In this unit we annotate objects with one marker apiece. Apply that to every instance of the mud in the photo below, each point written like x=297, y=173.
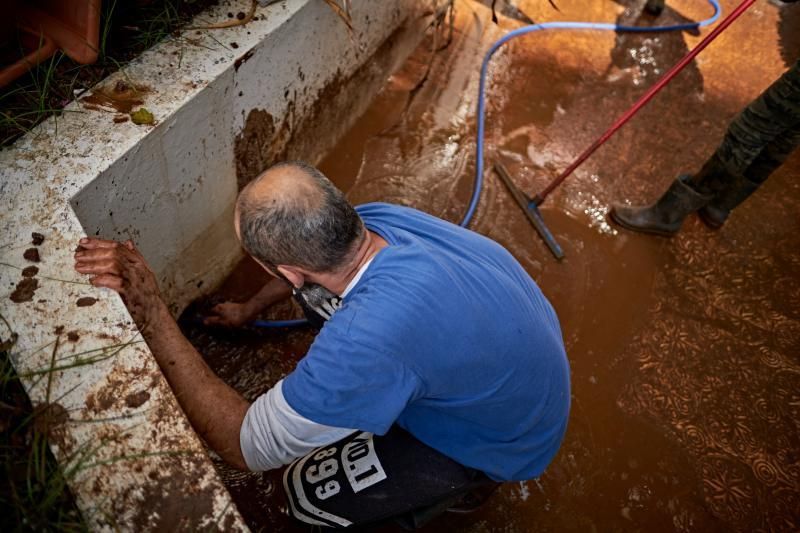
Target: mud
x=685, y=352
x=24, y=290
x=309, y=135
x=182, y=504
x=37, y=238
x=86, y=301
x=256, y=147
x=122, y=97
x=137, y=399
x=29, y=272
x=49, y=419
x=32, y=255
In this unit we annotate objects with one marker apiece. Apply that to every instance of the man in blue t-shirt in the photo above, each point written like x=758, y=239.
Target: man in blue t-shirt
x=439, y=369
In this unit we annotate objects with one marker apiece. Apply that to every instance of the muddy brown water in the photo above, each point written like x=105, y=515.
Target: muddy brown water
x=685, y=352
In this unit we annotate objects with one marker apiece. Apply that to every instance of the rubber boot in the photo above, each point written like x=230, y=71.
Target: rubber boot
x=716, y=212
x=666, y=216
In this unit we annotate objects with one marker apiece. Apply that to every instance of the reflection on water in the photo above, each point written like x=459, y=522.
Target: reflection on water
x=685, y=352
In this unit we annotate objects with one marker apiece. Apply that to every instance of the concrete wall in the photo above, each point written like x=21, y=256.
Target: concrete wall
x=227, y=104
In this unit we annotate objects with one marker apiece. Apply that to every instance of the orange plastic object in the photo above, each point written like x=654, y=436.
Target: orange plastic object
x=47, y=25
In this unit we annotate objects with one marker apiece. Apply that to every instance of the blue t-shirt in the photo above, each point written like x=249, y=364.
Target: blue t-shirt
x=446, y=335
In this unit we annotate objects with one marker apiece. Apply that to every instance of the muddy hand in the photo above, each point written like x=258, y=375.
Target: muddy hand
x=230, y=314
x=120, y=266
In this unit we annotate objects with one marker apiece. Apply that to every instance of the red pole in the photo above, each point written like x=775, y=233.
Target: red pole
x=646, y=97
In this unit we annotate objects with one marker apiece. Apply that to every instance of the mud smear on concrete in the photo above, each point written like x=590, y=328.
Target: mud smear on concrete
x=137, y=399
x=24, y=290
x=257, y=147
x=121, y=97
x=684, y=352
x=264, y=142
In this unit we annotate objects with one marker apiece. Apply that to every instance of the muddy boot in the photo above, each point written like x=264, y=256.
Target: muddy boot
x=716, y=212
x=666, y=215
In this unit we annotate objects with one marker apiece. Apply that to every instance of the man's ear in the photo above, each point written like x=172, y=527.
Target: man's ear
x=293, y=274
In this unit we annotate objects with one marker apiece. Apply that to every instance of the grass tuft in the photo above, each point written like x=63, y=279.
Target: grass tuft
x=126, y=30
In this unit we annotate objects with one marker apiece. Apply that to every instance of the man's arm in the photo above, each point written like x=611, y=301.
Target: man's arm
x=234, y=314
x=215, y=410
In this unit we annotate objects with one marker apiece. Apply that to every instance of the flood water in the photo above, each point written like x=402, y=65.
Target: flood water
x=685, y=352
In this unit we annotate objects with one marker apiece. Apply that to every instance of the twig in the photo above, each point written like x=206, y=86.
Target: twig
x=50, y=374
x=439, y=16
x=343, y=14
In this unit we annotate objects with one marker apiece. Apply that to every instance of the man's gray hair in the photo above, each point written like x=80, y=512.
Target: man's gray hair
x=316, y=233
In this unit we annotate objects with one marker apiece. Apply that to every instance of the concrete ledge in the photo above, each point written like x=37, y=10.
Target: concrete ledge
x=227, y=104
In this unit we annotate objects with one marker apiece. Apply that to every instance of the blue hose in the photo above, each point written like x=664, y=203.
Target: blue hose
x=476, y=192
x=279, y=323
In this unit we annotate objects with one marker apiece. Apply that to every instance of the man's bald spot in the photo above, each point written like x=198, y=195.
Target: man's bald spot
x=286, y=184
x=293, y=215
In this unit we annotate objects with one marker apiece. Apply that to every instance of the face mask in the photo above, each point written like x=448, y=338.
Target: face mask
x=318, y=299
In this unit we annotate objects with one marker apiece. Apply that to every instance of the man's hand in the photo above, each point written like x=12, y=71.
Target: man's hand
x=121, y=267
x=215, y=410
x=230, y=314
x=235, y=315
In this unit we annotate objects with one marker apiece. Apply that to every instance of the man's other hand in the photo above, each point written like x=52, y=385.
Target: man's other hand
x=120, y=266
x=229, y=314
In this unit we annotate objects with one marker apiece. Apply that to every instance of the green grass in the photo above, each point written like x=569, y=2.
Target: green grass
x=34, y=494
x=126, y=30
x=34, y=489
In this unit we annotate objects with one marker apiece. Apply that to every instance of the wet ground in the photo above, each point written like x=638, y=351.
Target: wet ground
x=685, y=352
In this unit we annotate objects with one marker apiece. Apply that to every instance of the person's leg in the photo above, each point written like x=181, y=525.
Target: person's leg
x=764, y=128
x=766, y=120
x=364, y=479
x=757, y=142
x=740, y=187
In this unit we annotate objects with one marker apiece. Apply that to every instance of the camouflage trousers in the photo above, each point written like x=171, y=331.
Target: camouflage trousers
x=766, y=132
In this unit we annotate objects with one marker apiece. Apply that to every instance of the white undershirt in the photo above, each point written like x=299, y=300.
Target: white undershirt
x=273, y=434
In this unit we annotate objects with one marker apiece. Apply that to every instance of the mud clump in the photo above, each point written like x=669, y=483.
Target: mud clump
x=29, y=272
x=86, y=301
x=48, y=418
x=73, y=336
x=32, y=255
x=24, y=290
x=119, y=119
x=101, y=401
x=136, y=399
x=58, y=330
x=37, y=238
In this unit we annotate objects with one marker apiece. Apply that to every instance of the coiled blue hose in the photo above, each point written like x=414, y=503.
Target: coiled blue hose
x=476, y=192
x=477, y=188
